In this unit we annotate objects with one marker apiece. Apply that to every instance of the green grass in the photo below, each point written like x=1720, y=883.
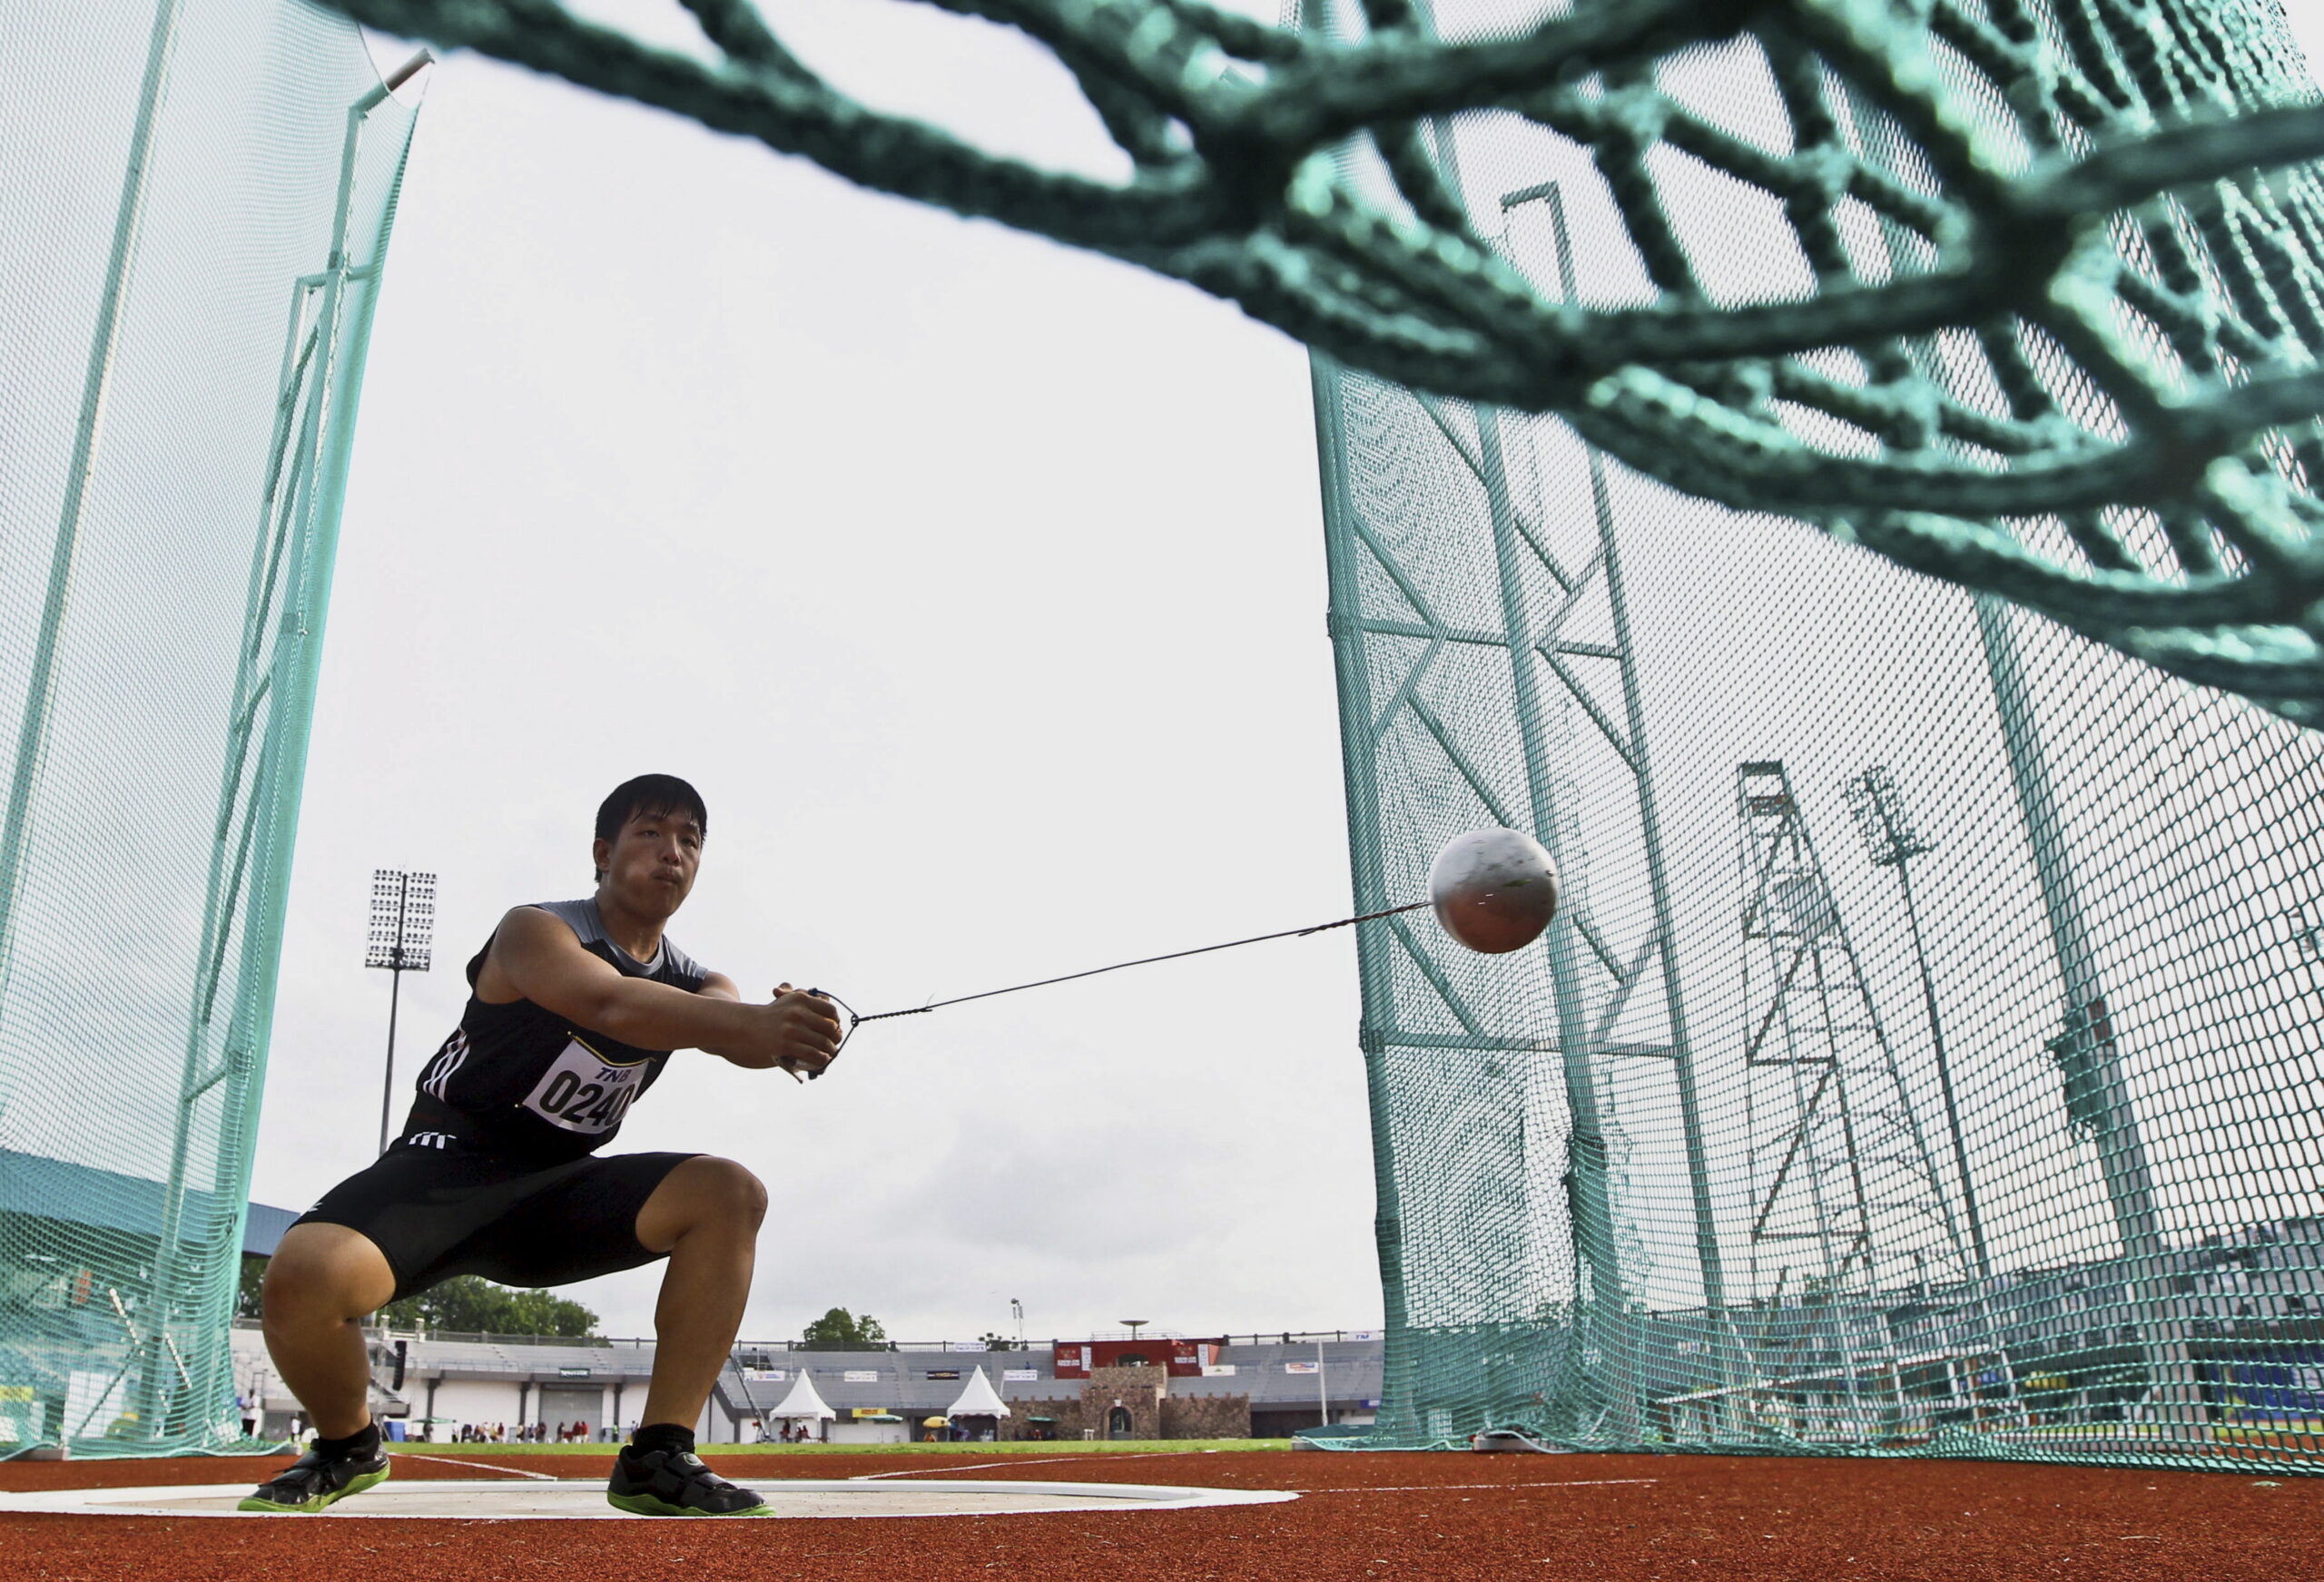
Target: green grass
x=1000, y=1448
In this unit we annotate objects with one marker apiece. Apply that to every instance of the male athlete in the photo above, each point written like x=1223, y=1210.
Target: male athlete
x=576, y=1006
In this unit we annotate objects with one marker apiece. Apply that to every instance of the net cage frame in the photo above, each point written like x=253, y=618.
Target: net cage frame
x=1587, y=1173
x=205, y=191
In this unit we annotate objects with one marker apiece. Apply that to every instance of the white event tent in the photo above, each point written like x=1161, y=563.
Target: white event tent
x=979, y=1399
x=803, y=1401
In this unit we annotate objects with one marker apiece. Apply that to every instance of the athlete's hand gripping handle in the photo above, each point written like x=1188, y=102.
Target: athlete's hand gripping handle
x=808, y=1031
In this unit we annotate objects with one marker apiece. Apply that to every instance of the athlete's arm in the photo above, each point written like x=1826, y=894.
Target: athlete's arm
x=718, y=985
x=538, y=957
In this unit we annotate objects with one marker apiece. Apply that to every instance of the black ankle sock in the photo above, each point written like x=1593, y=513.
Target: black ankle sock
x=661, y=1435
x=364, y=1443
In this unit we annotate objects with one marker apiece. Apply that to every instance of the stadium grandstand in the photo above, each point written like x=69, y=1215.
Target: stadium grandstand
x=2249, y=1291
x=445, y=1386
x=83, y=1236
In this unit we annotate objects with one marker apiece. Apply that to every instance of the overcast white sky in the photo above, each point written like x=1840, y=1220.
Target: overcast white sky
x=978, y=585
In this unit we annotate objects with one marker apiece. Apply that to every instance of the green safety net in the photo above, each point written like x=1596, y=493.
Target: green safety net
x=197, y=197
x=1924, y=1057
x=1925, y=1060
x=2029, y=302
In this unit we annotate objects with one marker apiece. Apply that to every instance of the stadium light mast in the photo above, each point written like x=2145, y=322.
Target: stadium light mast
x=1891, y=841
x=403, y=924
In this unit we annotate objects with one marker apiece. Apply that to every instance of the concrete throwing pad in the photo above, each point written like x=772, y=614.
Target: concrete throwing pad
x=508, y=1499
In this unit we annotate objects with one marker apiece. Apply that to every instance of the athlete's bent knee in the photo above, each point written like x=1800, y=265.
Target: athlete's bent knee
x=705, y=1194
x=736, y=1196
x=323, y=1275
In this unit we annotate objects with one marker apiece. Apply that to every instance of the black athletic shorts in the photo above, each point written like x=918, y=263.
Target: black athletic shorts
x=439, y=1212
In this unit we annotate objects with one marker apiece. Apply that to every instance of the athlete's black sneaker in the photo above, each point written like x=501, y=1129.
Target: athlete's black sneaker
x=676, y=1483
x=316, y=1482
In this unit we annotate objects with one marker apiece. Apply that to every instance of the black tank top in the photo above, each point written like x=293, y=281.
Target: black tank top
x=521, y=1082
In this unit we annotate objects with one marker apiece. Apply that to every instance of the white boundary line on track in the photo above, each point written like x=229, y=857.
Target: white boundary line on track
x=1022, y=1461
x=379, y=1504
x=486, y=1466
x=1427, y=1488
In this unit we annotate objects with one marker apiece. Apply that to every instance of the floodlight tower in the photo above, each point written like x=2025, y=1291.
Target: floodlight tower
x=1891, y=841
x=403, y=923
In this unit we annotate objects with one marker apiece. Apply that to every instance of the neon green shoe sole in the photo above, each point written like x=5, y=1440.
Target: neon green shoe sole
x=648, y=1505
x=319, y=1502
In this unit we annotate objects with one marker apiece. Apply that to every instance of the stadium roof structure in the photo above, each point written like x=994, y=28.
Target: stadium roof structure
x=979, y=1399
x=81, y=1195
x=803, y=1400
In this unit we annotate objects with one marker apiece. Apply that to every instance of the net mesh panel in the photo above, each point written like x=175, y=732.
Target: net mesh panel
x=1925, y=1058
x=2030, y=301
x=189, y=249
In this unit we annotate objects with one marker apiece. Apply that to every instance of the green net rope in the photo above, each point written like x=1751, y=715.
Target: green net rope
x=2118, y=182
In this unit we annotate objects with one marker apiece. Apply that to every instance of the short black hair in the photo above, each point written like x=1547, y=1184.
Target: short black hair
x=648, y=793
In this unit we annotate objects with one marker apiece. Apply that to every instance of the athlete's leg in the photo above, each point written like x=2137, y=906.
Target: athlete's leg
x=320, y=1281
x=705, y=1215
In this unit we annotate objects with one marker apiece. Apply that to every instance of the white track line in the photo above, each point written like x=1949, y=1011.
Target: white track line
x=1022, y=1461
x=454, y=1462
x=458, y=1500
x=1429, y=1487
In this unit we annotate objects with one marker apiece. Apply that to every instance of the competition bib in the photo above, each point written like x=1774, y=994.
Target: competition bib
x=582, y=1092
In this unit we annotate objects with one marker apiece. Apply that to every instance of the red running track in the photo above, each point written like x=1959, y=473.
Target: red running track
x=1606, y=1518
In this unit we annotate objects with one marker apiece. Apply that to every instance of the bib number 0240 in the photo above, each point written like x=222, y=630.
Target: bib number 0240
x=580, y=1092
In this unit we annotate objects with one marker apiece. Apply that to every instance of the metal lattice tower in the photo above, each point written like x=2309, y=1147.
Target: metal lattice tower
x=1841, y=1167
x=1849, y=1205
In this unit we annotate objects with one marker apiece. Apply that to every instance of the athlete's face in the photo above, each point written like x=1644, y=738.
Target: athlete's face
x=650, y=863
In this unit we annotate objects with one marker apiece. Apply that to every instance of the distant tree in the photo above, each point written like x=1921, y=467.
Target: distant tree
x=246, y=1299
x=469, y=1304
x=840, y=1330
x=993, y=1343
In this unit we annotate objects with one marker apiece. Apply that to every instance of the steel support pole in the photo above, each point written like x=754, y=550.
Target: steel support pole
x=1944, y=1066
x=1590, y=1193
x=305, y=581
x=2121, y=1151
x=40, y=692
x=395, y=991
x=1657, y=867
x=2123, y=1160
x=1373, y=941
x=242, y=717
x=96, y=385
x=387, y=1088
x=1593, y=1215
